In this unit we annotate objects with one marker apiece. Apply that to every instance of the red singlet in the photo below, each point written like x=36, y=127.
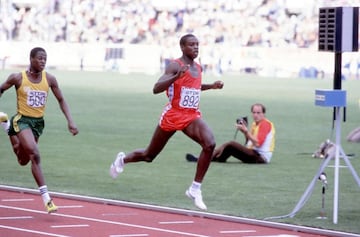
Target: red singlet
x=184, y=99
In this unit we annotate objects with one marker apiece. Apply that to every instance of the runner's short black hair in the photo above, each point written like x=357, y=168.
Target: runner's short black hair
x=184, y=38
x=35, y=50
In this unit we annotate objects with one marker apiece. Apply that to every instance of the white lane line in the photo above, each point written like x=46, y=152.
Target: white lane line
x=32, y=231
x=17, y=199
x=70, y=206
x=15, y=217
x=236, y=231
x=284, y=235
x=119, y=214
x=69, y=226
x=108, y=222
x=134, y=235
x=175, y=222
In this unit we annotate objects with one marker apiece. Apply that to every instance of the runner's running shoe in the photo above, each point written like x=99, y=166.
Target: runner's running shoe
x=196, y=196
x=117, y=166
x=4, y=121
x=51, y=207
x=3, y=117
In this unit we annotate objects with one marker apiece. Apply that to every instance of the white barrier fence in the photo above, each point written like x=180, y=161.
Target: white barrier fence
x=96, y=57
x=274, y=62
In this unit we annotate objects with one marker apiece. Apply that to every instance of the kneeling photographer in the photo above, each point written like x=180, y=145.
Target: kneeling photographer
x=260, y=140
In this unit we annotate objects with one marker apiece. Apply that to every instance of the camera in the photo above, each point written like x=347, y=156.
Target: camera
x=240, y=120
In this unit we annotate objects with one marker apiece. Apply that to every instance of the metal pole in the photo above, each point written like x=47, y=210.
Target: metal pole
x=322, y=212
x=337, y=163
x=337, y=118
x=337, y=71
x=323, y=179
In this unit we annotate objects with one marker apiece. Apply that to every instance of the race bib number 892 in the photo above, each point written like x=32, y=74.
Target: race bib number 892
x=190, y=98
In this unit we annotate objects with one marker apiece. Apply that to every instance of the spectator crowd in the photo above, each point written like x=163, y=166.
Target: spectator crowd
x=265, y=23
x=225, y=24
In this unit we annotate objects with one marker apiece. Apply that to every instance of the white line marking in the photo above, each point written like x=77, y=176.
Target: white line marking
x=15, y=217
x=273, y=236
x=107, y=222
x=119, y=214
x=31, y=231
x=134, y=235
x=175, y=222
x=340, y=166
x=236, y=231
x=69, y=226
x=17, y=200
x=73, y=206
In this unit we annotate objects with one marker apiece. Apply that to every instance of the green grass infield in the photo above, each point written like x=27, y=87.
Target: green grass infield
x=117, y=112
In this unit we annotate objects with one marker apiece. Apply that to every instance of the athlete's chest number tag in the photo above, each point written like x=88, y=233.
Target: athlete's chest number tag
x=190, y=98
x=36, y=98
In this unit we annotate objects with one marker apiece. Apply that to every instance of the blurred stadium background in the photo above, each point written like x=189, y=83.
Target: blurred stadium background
x=265, y=38
x=272, y=38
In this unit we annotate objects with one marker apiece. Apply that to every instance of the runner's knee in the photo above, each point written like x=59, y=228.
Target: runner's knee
x=22, y=158
x=209, y=147
x=16, y=149
x=23, y=161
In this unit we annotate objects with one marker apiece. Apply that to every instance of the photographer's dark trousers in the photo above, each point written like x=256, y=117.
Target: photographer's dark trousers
x=238, y=151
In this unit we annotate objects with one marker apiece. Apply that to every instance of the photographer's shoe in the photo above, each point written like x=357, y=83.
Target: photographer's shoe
x=191, y=158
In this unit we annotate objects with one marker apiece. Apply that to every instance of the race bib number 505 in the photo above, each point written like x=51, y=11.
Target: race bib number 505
x=36, y=98
x=190, y=98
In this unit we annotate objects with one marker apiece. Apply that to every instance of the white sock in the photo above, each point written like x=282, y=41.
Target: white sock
x=195, y=185
x=5, y=125
x=44, y=194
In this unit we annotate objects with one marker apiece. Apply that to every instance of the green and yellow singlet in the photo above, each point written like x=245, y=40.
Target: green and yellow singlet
x=32, y=97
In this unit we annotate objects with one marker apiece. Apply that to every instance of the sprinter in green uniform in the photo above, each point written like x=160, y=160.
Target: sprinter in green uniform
x=26, y=126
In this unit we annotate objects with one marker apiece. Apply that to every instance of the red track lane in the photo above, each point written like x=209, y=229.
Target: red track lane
x=22, y=214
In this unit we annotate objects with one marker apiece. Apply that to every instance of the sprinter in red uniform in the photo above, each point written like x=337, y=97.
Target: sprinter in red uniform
x=183, y=86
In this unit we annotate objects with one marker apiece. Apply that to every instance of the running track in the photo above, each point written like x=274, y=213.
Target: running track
x=22, y=214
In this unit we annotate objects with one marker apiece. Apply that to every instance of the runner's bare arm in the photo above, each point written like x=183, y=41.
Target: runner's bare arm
x=171, y=74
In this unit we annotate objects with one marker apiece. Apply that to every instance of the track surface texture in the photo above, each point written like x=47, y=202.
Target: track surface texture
x=22, y=214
